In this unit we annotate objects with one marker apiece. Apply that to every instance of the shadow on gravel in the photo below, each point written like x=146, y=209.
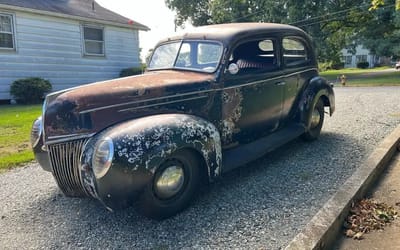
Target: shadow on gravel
x=246, y=205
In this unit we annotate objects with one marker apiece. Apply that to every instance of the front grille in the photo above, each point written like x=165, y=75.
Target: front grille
x=64, y=159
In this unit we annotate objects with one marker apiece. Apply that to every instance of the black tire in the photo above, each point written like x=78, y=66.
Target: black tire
x=314, y=129
x=151, y=203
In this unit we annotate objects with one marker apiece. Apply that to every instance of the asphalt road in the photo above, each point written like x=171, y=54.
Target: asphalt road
x=262, y=205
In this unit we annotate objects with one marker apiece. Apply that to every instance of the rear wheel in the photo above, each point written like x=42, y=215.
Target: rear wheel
x=172, y=188
x=314, y=124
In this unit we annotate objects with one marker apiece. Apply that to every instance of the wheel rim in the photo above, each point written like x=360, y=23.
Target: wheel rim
x=169, y=182
x=315, y=118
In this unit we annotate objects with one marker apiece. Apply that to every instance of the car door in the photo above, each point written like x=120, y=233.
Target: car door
x=252, y=93
x=296, y=66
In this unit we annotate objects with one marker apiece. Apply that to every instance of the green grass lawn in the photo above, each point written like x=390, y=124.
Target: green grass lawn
x=15, y=127
x=364, y=77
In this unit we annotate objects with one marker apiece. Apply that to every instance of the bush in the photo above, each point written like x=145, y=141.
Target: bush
x=30, y=90
x=324, y=66
x=132, y=71
x=362, y=65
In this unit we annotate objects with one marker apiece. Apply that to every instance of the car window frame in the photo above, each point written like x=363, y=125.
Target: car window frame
x=277, y=47
x=307, y=48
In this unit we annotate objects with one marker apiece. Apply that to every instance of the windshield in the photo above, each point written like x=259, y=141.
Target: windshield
x=192, y=55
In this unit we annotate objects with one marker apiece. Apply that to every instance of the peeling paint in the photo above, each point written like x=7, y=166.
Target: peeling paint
x=231, y=112
x=146, y=142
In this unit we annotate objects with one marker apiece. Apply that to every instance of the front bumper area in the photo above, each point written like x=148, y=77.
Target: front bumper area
x=69, y=163
x=41, y=155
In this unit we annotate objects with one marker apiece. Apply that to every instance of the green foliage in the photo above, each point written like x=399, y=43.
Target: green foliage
x=15, y=124
x=324, y=66
x=133, y=71
x=30, y=90
x=197, y=11
x=375, y=4
x=362, y=65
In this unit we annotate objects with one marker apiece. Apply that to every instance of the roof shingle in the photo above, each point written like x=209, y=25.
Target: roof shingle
x=81, y=8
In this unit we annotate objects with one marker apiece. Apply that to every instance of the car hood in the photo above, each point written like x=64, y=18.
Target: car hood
x=93, y=107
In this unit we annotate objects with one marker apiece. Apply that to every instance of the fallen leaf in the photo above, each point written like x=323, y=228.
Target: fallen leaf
x=367, y=215
x=358, y=236
x=350, y=233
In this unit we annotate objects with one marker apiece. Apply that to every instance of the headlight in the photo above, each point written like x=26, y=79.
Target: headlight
x=103, y=156
x=36, y=131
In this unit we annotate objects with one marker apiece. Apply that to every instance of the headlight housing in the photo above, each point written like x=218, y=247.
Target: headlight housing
x=102, y=157
x=36, y=131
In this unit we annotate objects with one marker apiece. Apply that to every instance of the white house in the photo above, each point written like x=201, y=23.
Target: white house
x=362, y=55
x=68, y=42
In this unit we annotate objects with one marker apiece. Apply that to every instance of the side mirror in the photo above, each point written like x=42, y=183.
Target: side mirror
x=233, y=68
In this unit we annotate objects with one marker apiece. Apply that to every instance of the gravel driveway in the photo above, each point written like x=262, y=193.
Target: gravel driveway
x=262, y=205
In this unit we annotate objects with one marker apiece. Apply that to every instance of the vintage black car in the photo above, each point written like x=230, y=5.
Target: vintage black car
x=211, y=100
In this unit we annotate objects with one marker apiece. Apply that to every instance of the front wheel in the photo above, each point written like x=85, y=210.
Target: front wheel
x=172, y=188
x=314, y=124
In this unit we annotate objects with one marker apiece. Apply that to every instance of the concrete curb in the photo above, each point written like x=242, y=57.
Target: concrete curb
x=324, y=227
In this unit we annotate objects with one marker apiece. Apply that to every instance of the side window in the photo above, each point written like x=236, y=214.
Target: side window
x=256, y=56
x=93, y=41
x=6, y=32
x=294, y=52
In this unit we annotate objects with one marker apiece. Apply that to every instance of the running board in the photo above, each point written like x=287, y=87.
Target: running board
x=239, y=156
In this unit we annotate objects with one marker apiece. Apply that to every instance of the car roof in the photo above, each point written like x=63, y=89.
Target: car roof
x=230, y=32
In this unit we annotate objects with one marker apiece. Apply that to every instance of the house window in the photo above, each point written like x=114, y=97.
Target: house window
x=93, y=41
x=348, y=59
x=6, y=32
x=361, y=58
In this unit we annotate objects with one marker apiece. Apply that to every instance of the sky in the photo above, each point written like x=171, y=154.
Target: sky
x=152, y=13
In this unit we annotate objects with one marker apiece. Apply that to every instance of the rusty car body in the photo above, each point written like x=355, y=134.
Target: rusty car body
x=211, y=100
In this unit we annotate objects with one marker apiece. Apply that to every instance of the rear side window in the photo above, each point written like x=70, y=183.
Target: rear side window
x=294, y=52
x=256, y=56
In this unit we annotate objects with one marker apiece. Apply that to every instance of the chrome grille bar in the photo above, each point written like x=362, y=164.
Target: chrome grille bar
x=64, y=158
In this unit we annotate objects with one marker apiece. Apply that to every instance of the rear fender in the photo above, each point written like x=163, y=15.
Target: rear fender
x=317, y=88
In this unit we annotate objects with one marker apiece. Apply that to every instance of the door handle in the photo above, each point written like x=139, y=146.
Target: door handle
x=280, y=83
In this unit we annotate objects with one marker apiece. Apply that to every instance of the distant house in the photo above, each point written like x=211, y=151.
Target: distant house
x=361, y=55
x=69, y=42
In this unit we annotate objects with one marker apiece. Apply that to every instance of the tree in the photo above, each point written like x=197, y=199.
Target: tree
x=375, y=4
x=382, y=34
x=332, y=24
x=195, y=10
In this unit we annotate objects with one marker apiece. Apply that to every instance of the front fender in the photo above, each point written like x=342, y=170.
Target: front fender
x=317, y=88
x=141, y=145
x=146, y=142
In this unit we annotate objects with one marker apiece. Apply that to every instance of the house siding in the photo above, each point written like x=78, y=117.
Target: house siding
x=52, y=48
x=360, y=51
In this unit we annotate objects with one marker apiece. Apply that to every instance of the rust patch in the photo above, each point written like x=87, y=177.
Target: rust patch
x=231, y=112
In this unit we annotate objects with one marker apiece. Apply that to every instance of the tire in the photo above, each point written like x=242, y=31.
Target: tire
x=159, y=201
x=314, y=126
